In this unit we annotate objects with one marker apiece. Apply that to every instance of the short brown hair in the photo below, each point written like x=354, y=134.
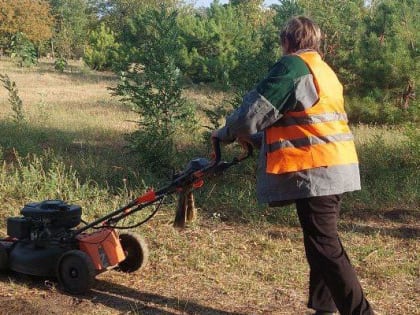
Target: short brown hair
x=300, y=33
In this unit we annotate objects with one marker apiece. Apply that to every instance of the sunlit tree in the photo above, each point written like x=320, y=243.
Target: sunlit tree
x=31, y=18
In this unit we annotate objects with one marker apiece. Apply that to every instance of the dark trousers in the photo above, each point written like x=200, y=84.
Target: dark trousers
x=333, y=283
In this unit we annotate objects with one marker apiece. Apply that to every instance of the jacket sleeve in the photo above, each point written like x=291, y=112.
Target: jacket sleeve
x=262, y=106
x=255, y=114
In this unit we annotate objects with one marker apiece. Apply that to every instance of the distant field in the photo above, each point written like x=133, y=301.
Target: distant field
x=75, y=102
x=238, y=258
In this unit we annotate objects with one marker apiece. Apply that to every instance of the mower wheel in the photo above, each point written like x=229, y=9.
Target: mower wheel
x=76, y=272
x=135, y=250
x=4, y=258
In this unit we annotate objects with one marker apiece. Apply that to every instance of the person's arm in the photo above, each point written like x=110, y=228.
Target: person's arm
x=255, y=114
x=266, y=103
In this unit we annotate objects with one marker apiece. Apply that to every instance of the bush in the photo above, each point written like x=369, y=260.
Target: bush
x=60, y=64
x=23, y=51
x=230, y=45
x=101, y=51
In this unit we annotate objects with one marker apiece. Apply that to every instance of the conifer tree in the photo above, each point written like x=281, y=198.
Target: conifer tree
x=153, y=87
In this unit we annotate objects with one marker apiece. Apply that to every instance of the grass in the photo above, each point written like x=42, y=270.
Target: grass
x=389, y=161
x=239, y=257
x=72, y=113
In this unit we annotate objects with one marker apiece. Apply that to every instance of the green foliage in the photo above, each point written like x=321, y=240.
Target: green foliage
x=216, y=114
x=228, y=45
x=154, y=90
x=102, y=49
x=412, y=133
x=258, y=49
x=373, y=49
x=372, y=46
x=23, y=50
x=73, y=20
x=342, y=25
x=389, y=170
x=285, y=10
x=116, y=13
x=389, y=57
x=60, y=64
x=369, y=110
x=14, y=99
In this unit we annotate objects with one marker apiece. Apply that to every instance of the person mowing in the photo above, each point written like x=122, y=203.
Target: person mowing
x=307, y=157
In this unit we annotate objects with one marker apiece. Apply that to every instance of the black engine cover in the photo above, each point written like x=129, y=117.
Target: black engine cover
x=56, y=212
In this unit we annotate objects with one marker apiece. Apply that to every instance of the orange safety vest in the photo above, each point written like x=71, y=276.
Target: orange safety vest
x=315, y=137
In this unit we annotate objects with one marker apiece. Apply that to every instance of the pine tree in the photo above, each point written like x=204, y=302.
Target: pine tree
x=153, y=87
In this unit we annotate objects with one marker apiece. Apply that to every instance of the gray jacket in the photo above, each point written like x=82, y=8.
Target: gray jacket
x=288, y=86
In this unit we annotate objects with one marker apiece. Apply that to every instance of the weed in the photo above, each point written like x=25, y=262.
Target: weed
x=14, y=99
x=43, y=110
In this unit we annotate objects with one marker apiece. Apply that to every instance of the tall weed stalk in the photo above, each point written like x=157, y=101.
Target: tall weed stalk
x=14, y=99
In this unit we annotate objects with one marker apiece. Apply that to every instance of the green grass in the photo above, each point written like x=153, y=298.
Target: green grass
x=389, y=163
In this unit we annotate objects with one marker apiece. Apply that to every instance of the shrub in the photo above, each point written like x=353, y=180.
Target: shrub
x=389, y=169
x=230, y=45
x=101, y=50
x=60, y=64
x=370, y=110
x=23, y=51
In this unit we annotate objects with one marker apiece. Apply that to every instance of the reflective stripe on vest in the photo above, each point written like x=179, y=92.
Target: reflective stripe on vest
x=316, y=137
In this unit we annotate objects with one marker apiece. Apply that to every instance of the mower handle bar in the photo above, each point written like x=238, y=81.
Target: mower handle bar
x=186, y=179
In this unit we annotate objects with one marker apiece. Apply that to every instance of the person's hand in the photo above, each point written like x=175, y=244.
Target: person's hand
x=246, y=146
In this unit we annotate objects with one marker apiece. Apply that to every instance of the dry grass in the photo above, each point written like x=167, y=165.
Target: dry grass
x=67, y=101
x=72, y=113
x=220, y=268
x=213, y=266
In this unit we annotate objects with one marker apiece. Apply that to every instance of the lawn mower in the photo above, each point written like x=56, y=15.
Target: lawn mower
x=46, y=239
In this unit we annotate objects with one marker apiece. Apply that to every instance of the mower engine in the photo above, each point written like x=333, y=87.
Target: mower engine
x=41, y=236
x=44, y=221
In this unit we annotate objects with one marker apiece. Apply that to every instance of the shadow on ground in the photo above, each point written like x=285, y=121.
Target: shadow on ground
x=398, y=223
x=125, y=299
x=122, y=299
